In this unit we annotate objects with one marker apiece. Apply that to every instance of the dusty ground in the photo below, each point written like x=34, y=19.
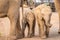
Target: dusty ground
x=53, y=35
x=5, y=25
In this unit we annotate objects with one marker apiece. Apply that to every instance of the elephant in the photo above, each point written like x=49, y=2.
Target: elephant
x=29, y=21
x=10, y=9
x=57, y=6
x=43, y=16
x=46, y=12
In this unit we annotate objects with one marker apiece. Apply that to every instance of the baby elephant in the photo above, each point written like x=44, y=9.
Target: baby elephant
x=46, y=12
x=29, y=20
x=43, y=16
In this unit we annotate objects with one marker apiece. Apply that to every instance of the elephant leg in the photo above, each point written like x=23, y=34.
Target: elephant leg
x=18, y=28
x=59, y=24
x=23, y=28
x=33, y=29
x=30, y=28
x=47, y=24
x=57, y=6
x=13, y=16
x=41, y=27
x=59, y=21
x=13, y=22
x=47, y=31
x=47, y=28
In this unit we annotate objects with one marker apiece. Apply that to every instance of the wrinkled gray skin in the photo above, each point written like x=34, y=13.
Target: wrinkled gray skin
x=28, y=21
x=10, y=9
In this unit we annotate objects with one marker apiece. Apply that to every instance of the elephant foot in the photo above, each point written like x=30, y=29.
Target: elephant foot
x=58, y=32
x=43, y=37
x=19, y=36
x=23, y=36
x=47, y=34
x=30, y=35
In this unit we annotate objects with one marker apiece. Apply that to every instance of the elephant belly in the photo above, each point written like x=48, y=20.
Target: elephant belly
x=3, y=7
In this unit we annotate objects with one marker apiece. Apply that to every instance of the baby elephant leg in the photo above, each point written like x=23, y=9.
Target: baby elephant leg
x=41, y=27
x=47, y=29
x=33, y=29
x=30, y=30
x=47, y=24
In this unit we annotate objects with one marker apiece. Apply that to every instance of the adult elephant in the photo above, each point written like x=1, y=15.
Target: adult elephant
x=10, y=9
x=57, y=5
